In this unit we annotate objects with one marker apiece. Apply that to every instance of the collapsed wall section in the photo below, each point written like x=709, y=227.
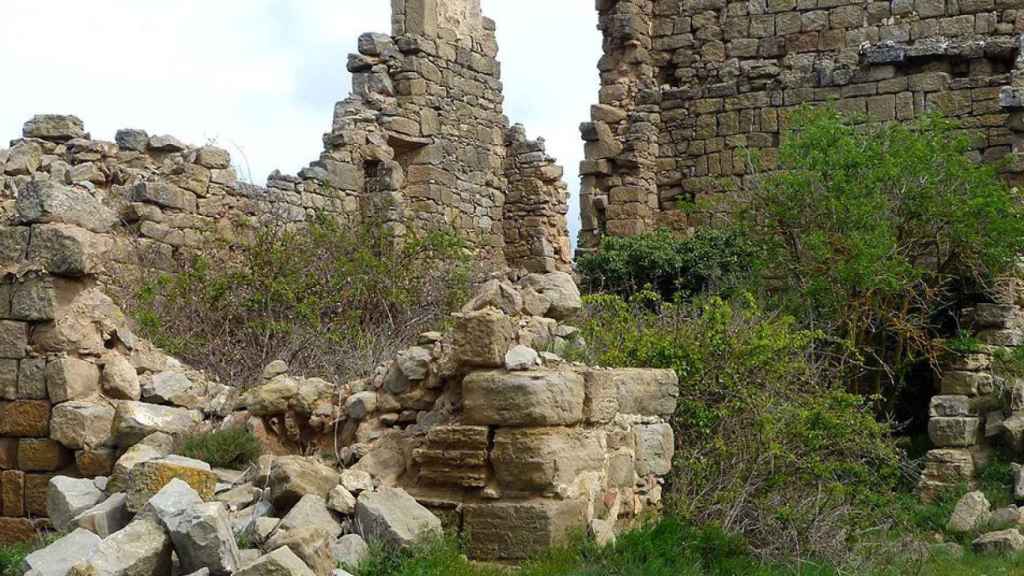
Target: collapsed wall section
x=693, y=90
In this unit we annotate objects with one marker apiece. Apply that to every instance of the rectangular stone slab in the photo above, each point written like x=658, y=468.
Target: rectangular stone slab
x=519, y=530
x=534, y=398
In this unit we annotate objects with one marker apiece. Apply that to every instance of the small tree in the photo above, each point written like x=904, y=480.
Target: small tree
x=876, y=229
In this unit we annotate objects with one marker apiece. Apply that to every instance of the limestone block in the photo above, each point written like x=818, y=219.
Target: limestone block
x=971, y=512
x=310, y=543
x=561, y=292
x=129, y=139
x=481, y=338
x=8, y=379
x=966, y=383
x=17, y=530
x=350, y=550
x=341, y=501
x=541, y=459
x=392, y=516
x=293, y=477
x=32, y=379
x=165, y=195
x=203, y=538
x=508, y=531
x=170, y=502
x=105, y=518
x=46, y=202
x=173, y=388
x=133, y=421
x=655, y=447
x=949, y=406
x=66, y=250
x=312, y=510
x=166, y=143
x=70, y=378
x=119, y=379
x=142, y=548
x=148, y=478
x=533, y=398
x=58, y=558
x=272, y=398
x=68, y=497
x=37, y=488
x=82, y=424
x=957, y=432
x=280, y=562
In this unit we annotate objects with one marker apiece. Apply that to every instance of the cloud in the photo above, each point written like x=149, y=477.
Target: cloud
x=261, y=76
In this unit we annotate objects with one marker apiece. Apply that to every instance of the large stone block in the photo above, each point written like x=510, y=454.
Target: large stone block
x=55, y=127
x=148, y=478
x=68, y=497
x=142, y=548
x=482, y=338
x=280, y=562
x=82, y=424
x=47, y=202
x=655, y=447
x=293, y=477
x=534, y=398
x=542, y=459
x=508, y=531
x=454, y=455
x=13, y=493
x=25, y=419
x=958, y=432
x=949, y=406
x=15, y=530
x=393, y=517
x=13, y=339
x=34, y=299
x=42, y=455
x=58, y=558
x=66, y=250
x=37, y=487
x=70, y=378
x=636, y=391
x=966, y=383
x=133, y=421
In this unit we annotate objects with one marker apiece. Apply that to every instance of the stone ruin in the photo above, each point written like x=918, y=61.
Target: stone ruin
x=484, y=430
x=691, y=90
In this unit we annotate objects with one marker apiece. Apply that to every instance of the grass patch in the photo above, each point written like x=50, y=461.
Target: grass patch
x=233, y=448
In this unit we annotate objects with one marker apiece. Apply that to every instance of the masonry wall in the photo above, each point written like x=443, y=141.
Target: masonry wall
x=690, y=87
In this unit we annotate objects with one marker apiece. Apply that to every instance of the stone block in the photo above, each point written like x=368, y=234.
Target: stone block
x=534, y=398
x=966, y=383
x=66, y=498
x=454, y=455
x=165, y=195
x=482, y=338
x=8, y=379
x=148, y=478
x=58, y=558
x=392, y=516
x=54, y=127
x=34, y=299
x=13, y=493
x=95, y=462
x=36, y=489
x=543, y=459
x=8, y=453
x=141, y=548
x=655, y=447
x=16, y=530
x=13, y=339
x=281, y=561
x=66, y=250
x=42, y=455
x=48, y=202
x=71, y=378
x=510, y=531
x=25, y=419
x=32, y=379
x=82, y=424
x=958, y=432
x=133, y=421
x=949, y=406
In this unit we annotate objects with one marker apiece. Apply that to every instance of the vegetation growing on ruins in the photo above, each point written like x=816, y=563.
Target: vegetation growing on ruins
x=235, y=447
x=327, y=298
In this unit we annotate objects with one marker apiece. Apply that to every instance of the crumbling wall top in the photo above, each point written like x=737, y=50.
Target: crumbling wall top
x=434, y=18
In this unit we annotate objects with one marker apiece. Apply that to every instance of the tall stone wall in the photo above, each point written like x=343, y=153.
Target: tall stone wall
x=421, y=144
x=691, y=88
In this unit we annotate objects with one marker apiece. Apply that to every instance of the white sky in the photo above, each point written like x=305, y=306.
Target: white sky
x=261, y=77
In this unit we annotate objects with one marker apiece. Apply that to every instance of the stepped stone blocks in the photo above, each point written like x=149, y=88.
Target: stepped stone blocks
x=693, y=90
x=976, y=407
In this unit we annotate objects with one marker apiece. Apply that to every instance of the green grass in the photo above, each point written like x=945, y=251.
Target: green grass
x=665, y=548
x=233, y=448
x=11, y=557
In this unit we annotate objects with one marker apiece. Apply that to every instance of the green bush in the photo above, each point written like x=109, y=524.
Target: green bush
x=710, y=260
x=330, y=299
x=874, y=232
x=769, y=445
x=234, y=447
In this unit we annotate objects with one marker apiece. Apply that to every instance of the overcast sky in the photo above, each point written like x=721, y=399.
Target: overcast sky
x=260, y=77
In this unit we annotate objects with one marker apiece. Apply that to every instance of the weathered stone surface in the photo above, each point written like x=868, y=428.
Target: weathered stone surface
x=17, y=530
x=655, y=447
x=455, y=455
x=82, y=424
x=560, y=290
x=133, y=421
x=68, y=497
x=540, y=459
x=280, y=562
x=119, y=378
x=356, y=481
x=153, y=447
x=533, y=398
x=1002, y=542
x=970, y=512
x=519, y=530
x=203, y=538
x=70, y=378
x=310, y=543
x=173, y=388
x=58, y=558
x=172, y=500
x=392, y=516
x=142, y=548
x=130, y=139
x=293, y=477
x=350, y=550
x=147, y=479
x=496, y=294
x=312, y=510
x=34, y=298
x=949, y=406
x=46, y=201
x=66, y=250
x=953, y=432
x=56, y=127
x=13, y=339
x=966, y=383
x=481, y=338
x=520, y=358
x=25, y=419
x=272, y=398
x=105, y=518
x=13, y=493
x=42, y=455
x=341, y=501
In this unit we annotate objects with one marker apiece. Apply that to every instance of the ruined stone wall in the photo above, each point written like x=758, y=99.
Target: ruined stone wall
x=421, y=144
x=691, y=89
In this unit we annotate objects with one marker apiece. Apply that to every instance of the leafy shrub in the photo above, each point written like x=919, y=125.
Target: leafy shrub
x=710, y=260
x=234, y=447
x=767, y=446
x=328, y=298
x=876, y=230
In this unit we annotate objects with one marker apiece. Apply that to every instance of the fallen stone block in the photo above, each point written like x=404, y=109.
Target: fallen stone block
x=480, y=339
x=142, y=548
x=1002, y=542
x=133, y=421
x=350, y=551
x=203, y=538
x=510, y=531
x=310, y=543
x=147, y=479
x=394, y=517
x=58, y=558
x=280, y=562
x=970, y=512
x=293, y=477
x=107, y=517
x=312, y=510
x=66, y=498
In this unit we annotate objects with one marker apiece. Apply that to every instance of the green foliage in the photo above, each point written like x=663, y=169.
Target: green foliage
x=765, y=441
x=874, y=229
x=1009, y=362
x=12, y=556
x=710, y=260
x=234, y=447
x=964, y=343
x=328, y=298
